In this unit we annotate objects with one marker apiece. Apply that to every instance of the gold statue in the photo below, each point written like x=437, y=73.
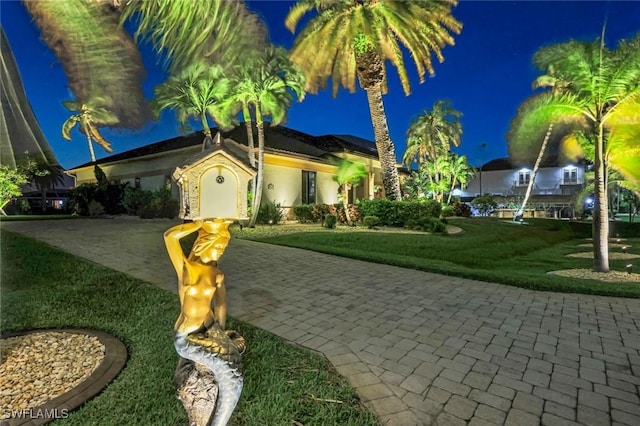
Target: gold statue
x=200, y=336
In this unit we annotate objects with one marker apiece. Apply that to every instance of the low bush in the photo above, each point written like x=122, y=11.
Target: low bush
x=461, y=210
x=447, y=211
x=398, y=213
x=330, y=221
x=371, y=221
x=426, y=224
x=304, y=213
x=270, y=213
x=484, y=204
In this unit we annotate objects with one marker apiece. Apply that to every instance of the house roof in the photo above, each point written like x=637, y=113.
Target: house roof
x=278, y=139
x=507, y=164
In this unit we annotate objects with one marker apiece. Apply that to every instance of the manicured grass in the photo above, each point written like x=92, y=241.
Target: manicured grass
x=45, y=288
x=489, y=250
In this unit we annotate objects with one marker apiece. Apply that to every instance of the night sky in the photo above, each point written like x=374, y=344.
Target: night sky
x=486, y=75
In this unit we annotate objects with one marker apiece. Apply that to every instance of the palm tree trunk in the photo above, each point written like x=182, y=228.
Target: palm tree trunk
x=345, y=202
x=91, y=152
x=536, y=166
x=384, y=144
x=257, y=199
x=205, y=126
x=248, y=122
x=600, y=227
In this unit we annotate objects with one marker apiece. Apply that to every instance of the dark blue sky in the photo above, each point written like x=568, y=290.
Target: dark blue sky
x=486, y=75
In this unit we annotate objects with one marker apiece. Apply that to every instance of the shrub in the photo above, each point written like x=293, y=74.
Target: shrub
x=485, y=204
x=447, y=211
x=111, y=196
x=95, y=208
x=270, y=213
x=426, y=224
x=304, y=213
x=371, y=221
x=398, y=213
x=461, y=210
x=319, y=212
x=81, y=196
x=330, y=221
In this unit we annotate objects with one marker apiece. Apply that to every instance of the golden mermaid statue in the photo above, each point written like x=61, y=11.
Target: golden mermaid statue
x=200, y=337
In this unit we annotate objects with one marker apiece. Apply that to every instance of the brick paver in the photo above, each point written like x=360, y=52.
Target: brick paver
x=420, y=348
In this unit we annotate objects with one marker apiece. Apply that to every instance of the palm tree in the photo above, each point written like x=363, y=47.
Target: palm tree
x=264, y=86
x=349, y=174
x=186, y=32
x=90, y=117
x=601, y=92
x=196, y=92
x=433, y=133
x=351, y=40
x=460, y=172
x=99, y=57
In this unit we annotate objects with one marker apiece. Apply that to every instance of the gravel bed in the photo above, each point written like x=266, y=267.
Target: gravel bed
x=38, y=367
x=588, y=274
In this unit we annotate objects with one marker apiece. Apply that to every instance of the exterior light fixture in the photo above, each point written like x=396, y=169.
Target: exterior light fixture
x=629, y=268
x=624, y=249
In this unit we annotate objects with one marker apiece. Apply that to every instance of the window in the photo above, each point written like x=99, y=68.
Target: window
x=570, y=175
x=308, y=187
x=523, y=177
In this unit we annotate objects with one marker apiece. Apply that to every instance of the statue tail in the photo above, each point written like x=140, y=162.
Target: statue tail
x=215, y=350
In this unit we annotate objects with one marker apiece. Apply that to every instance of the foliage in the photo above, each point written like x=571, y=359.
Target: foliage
x=90, y=116
x=330, y=221
x=304, y=213
x=195, y=92
x=433, y=134
x=64, y=291
x=209, y=31
x=484, y=204
x=348, y=175
x=371, y=221
x=151, y=204
x=436, y=178
x=110, y=196
x=447, y=211
x=398, y=213
x=12, y=179
x=98, y=55
x=426, y=224
x=95, y=208
x=270, y=213
x=595, y=95
x=461, y=210
x=328, y=45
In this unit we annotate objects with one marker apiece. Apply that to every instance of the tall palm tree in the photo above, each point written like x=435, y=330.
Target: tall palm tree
x=351, y=40
x=265, y=88
x=433, y=133
x=349, y=174
x=601, y=85
x=90, y=117
x=196, y=92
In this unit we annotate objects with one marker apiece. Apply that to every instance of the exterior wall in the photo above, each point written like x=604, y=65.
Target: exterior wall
x=548, y=181
x=282, y=175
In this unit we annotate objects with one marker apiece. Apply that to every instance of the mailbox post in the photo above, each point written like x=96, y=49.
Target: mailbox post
x=213, y=194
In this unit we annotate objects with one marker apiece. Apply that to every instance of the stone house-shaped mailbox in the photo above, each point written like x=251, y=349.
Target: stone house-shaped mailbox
x=214, y=184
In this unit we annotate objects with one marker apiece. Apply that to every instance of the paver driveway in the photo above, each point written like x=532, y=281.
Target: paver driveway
x=420, y=348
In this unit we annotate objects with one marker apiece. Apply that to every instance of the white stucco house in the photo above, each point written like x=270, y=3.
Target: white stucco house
x=554, y=189
x=299, y=167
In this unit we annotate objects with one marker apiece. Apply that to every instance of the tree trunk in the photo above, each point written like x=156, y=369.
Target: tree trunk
x=257, y=199
x=600, y=228
x=205, y=128
x=386, y=149
x=536, y=166
x=248, y=122
x=345, y=202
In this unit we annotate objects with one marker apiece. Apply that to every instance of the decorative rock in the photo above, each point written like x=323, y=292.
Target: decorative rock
x=38, y=367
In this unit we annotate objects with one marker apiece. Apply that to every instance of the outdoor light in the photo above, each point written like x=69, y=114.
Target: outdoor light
x=618, y=240
x=624, y=249
x=629, y=268
x=271, y=222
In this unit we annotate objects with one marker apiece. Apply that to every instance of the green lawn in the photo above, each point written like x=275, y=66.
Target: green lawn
x=489, y=249
x=45, y=288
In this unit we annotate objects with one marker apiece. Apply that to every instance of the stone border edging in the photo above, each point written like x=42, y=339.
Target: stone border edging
x=115, y=358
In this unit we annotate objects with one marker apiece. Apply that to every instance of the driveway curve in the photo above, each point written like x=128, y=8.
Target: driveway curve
x=420, y=348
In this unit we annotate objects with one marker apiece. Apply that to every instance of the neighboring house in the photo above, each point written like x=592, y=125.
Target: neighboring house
x=554, y=189
x=299, y=168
